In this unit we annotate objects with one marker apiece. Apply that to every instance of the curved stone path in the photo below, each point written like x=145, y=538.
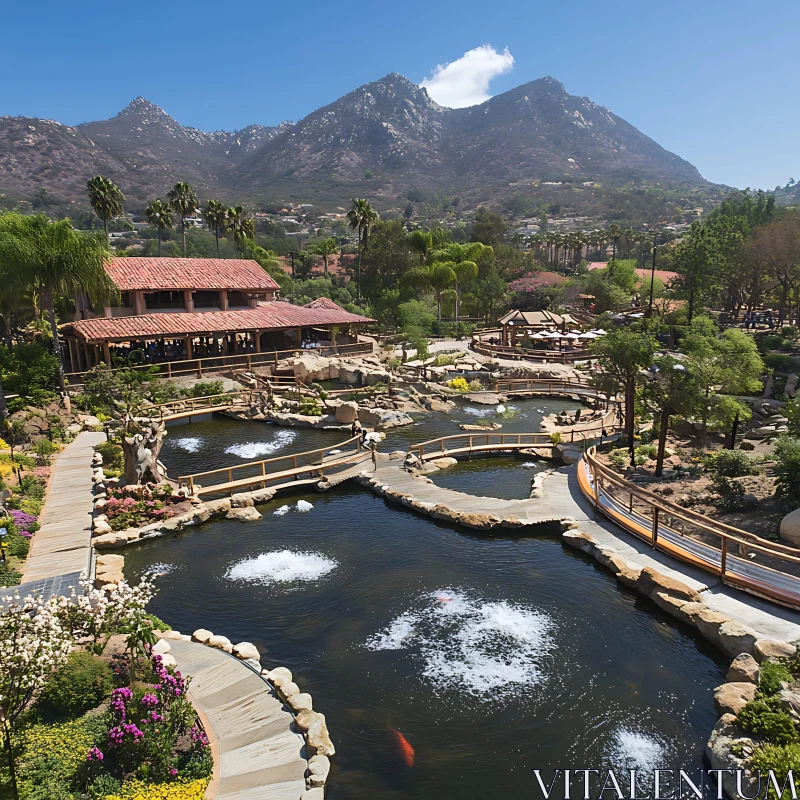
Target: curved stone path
x=563, y=503
x=257, y=752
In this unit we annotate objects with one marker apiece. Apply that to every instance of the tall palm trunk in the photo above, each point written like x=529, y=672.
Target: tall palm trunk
x=105, y=228
x=216, y=236
x=183, y=231
x=159, y=242
x=47, y=299
x=358, y=274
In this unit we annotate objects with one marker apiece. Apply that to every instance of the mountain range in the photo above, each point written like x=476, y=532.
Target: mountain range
x=379, y=141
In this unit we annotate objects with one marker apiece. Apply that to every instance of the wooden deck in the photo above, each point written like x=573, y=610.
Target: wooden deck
x=63, y=544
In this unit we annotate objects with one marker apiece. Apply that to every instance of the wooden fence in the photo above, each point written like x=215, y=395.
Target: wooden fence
x=739, y=558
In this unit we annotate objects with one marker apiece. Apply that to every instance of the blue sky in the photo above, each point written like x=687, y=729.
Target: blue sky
x=715, y=82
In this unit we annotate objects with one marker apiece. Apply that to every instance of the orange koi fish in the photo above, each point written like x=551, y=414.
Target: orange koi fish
x=403, y=746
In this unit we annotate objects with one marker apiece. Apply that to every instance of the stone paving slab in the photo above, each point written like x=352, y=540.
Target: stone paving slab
x=262, y=757
x=62, y=546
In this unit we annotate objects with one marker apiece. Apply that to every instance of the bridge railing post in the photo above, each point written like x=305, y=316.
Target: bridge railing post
x=723, y=557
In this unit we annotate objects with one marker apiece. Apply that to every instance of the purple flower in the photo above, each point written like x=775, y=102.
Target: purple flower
x=26, y=534
x=173, y=771
x=94, y=754
x=149, y=700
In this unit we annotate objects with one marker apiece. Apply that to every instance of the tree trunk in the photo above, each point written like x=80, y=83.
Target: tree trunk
x=11, y=768
x=51, y=318
x=141, y=451
x=216, y=236
x=105, y=228
x=734, y=430
x=630, y=390
x=183, y=231
x=662, y=441
x=159, y=242
x=358, y=276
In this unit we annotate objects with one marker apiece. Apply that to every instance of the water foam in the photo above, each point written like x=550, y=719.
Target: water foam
x=282, y=566
x=159, y=569
x=303, y=506
x=281, y=511
x=472, y=645
x=250, y=450
x=478, y=412
x=634, y=749
x=191, y=444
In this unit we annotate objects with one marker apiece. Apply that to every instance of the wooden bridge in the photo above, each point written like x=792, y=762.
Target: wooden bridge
x=739, y=558
x=296, y=469
x=194, y=406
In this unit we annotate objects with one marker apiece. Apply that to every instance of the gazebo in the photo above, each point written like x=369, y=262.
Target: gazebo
x=517, y=325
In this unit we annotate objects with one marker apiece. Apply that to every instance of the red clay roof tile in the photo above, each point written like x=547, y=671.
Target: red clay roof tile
x=275, y=315
x=170, y=274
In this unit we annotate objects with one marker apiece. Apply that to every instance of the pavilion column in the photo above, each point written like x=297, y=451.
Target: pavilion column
x=138, y=303
x=73, y=367
x=257, y=342
x=299, y=336
x=188, y=299
x=189, y=353
x=107, y=353
x=225, y=344
x=223, y=299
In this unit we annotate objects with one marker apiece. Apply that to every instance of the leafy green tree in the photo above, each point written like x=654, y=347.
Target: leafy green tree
x=183, y=202
x=326, y=248
x=215, y=215
x=159, y=215
x=624, y=353
x=488, y=228
x=361, y=217
x=787, y=470
x=672, y=390
x=56, y=260
x=726, y=363
x=462, y=259
x=106, y=200
x=612, y=286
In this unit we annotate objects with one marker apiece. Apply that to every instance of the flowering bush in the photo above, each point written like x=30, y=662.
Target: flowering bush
x=137, y=790
x=459, y=384
x=124, y=511
x=144, y=728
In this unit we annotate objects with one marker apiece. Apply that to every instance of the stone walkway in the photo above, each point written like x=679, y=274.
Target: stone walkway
x=61, y=548
x=259, y=756
x=563, y=502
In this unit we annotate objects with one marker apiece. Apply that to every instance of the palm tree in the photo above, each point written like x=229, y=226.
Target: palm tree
x=437, y=277
x=614, y=233
x=421, y=242
x=215, y=216
x=462, y=259
x=361, y=216
x=326, y=248
x=106, y=200
x=56, y=261
x=183, y=201
x=239, y=225
x=159, y=215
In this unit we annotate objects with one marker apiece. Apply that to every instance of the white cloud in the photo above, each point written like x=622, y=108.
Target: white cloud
x=465, y=81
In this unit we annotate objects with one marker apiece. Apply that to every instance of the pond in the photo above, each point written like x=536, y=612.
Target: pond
x=492, y=656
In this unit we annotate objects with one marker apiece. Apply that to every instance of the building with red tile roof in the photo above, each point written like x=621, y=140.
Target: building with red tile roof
x=173, y=308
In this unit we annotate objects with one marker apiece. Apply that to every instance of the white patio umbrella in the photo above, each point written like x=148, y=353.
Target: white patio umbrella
x=571, y=336
x=598, y=331
x=589, y=335
x=539, y=335
x=552, y=335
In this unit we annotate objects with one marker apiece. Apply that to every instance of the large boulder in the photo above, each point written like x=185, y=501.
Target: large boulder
x=650, y=581
x=772, y=650
x=743, y=669
x=318, y=741
x=731, y=698
x=346, y=413
x=246, y=651
x=790, y=527
x=246, y=514
x=722, y=748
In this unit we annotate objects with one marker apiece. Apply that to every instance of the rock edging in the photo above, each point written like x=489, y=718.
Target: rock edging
x=726, y=749
x=311, y=724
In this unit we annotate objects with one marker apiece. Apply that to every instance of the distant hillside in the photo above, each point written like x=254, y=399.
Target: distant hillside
x=381, y=140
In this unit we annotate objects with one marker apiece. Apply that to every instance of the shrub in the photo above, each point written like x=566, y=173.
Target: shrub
x=555, y=438
x=8, y=576
x=647, y=450
x=112, y=454
x=787, y=470
x=731, y=494
x=789, y=331
x=103, y=785
x=618, y=458
x=82, y=683
x=459, y=384
x=780, y=758
x=205, y=388
x=732, y=463
x=767, y=343
x=44, y=450
x=781, y=362
x=771, y=676
x=764, y=717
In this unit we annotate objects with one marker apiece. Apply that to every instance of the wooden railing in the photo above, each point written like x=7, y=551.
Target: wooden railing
x=578, y=384
x=737, y=557
x=271, y=470
x=526, y=354
x=199, y=366
x=466, y=443
x=207, y=402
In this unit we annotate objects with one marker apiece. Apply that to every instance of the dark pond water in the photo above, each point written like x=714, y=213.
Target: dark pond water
x=491, y=656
